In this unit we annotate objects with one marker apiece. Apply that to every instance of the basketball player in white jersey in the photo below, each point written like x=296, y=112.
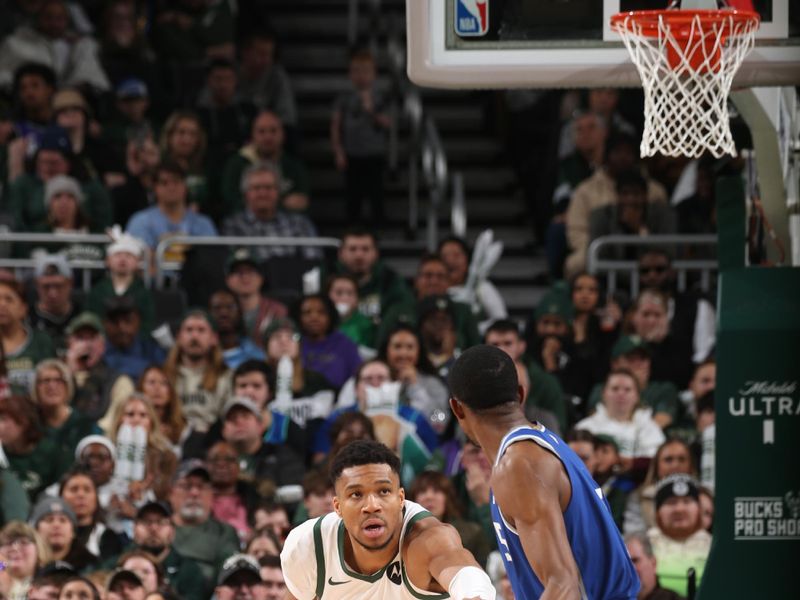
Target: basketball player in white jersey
x=377, y=545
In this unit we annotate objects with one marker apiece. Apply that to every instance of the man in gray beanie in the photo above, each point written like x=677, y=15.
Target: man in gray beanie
x=55, y=522
x=54, y=307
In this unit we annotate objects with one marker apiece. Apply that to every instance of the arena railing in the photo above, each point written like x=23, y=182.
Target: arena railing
x=165, y=268
x=86, y=267
x=616, y=269
x=426, y=151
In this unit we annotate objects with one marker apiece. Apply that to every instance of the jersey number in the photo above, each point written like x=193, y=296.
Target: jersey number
x=499, y=531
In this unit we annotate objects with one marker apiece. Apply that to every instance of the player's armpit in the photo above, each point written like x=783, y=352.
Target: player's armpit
x=439, y=551
x=538, y=518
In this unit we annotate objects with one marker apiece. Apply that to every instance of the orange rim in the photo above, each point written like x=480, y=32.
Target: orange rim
x=679, y=21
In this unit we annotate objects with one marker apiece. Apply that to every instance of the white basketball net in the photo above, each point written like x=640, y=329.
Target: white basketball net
x=687, y=79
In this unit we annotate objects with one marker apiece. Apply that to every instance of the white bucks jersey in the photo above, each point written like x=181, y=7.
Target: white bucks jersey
x=314, y=566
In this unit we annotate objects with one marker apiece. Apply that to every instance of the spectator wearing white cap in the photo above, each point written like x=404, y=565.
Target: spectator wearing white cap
x=54, y=307
x=98, y=454
x=123, y=258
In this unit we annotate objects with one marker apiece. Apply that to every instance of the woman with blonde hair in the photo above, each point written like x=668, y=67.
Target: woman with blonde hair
x=155, y=385
x=53, y=391
x=23, y=551
x=184, y=141
x=160, y=460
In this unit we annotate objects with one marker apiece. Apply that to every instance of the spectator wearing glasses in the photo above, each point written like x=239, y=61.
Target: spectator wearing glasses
x=54, y=307
x=263, y=215
x=53, y=393
x=154, y=532
x=24, y=552
x=692, y=318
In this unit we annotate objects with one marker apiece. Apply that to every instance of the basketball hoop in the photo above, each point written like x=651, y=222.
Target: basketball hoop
x=687, y=60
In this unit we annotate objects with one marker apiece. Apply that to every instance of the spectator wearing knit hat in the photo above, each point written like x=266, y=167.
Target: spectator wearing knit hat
x=56, y=523
x=123, y=258
x=26, y=194
x=54, y=307
x=679, y=540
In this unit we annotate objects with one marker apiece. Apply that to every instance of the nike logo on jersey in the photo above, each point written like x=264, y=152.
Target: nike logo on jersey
x=332, y=582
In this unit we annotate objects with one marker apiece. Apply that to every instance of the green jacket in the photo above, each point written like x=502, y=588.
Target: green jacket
x=384, y=289
x=359, y=329
x=75, y=428
x=26, y=204
x=21, y=364
x=545, y=392
x=14, y=503
x=208, y=545
x=464, y=321
x=42, y=466
x=104, y=290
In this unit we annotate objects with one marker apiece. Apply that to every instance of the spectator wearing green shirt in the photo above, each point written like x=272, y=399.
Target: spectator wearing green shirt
x=198, y=535
x=432, y=280
x=267, y=139
x=26, y=193
x=23, y=347
x=123, y=258
x=37, y=460
x=53, y=393
x=544, y=391
x=379, y=286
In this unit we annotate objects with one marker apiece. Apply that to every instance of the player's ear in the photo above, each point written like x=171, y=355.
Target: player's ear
x=456, y=407
x=402, y=493
x=336, y=506
x=521, y=396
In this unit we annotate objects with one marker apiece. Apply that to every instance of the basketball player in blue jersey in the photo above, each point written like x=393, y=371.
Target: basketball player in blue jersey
x=553, y=526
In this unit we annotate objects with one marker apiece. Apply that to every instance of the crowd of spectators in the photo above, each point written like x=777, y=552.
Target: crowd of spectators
x=152, y=457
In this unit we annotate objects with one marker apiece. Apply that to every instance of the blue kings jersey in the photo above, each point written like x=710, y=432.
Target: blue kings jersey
x=603, y=562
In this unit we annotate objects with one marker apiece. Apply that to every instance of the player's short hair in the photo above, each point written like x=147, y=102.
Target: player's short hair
x=484, y=377
x=363, y=452
x=503, y=326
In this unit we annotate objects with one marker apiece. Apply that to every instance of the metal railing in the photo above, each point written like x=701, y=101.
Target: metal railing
x=425, y=150
x=85, y=266
x=616, y=267
x=164, y=267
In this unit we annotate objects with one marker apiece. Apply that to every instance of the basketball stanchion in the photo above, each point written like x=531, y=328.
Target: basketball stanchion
x=687, y=60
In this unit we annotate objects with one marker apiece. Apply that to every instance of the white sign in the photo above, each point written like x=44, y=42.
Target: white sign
x=765, y=518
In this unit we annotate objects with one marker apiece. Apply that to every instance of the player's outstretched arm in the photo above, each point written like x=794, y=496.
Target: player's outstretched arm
x=439, y=551
x=538, y=518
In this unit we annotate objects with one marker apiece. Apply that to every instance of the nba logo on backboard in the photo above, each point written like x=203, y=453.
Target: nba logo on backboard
x=472, y=17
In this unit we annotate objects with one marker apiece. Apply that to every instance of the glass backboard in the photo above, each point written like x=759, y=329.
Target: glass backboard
x=565, y=43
